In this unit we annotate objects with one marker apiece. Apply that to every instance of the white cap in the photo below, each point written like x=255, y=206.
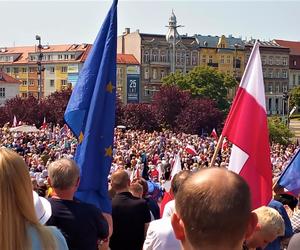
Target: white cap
x=42, y=208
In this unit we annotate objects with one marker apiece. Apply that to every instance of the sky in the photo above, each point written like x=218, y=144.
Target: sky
x=68, y=22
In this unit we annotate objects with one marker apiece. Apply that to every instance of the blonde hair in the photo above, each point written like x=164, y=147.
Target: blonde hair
x=63, y=173
x=270, y=220
x=16, y=206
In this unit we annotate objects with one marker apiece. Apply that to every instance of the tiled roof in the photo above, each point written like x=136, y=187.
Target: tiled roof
x=5, y=78
x=22, y=53
x=126, y=59
x=293, y=45
x=271, y=44
x=212, y=41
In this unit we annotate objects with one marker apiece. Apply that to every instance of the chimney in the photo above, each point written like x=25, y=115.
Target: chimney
x=127, y=31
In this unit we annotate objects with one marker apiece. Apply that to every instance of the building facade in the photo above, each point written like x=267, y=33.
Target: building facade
x=128, y=79
x=275, y=64
x=9, y=87
x=227, y=54
x=155, y=55
x=294, y=61
x=61, y=65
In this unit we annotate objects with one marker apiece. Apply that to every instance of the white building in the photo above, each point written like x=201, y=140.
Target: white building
x=9, y=87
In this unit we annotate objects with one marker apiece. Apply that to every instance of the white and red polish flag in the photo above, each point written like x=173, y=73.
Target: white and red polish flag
x=214, y=134
x=191, y=150
x=246, y=128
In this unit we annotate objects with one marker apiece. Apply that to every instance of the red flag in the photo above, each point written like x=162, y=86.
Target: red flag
x=214, y=134
x=246, y=128
x=190, y=149
x=44, y=126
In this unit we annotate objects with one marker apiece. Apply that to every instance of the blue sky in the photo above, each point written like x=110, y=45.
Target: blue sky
x=69, y=21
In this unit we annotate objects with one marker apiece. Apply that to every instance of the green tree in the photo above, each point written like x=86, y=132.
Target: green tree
x=278, y=131
x=295, y=97
x=204, y=82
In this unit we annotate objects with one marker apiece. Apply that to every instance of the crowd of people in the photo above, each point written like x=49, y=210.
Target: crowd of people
x=146, y=213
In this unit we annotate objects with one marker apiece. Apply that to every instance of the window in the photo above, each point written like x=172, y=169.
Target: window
x=154, y=73
x=24, y=95
x=146, y=56
x=271, y=73
x=154, y=57
x=271, y=60
x=31, y=69
x=178, y=58
x=2, y=92
x=64, y=69
x=295, y=62
x=162, y=74
x=146, y=74
x=31, y=82
x=204, y=60
x=284, y=88
x=222, y=61
x=66, y=57
x=60, y=57
x=228, y=60
x=63, y=82
x=210, y=59
x=24, y=70
x=277, y=60
x=270, y=87
x=147, y=92
x=72, y=56
x=32, y=58
x=284, y=74
x=24, y=82
x=284, y=61
x=294, y=80
x=49, y=57
x=16, y=70
x=194, y=58
x=51, y=83
x=277, y=88
x=263, y=60
x=51, y=69
x=7, y=70
x=187, y=58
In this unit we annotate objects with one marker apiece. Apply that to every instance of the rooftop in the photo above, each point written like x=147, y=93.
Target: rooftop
x=5, y=78
x=294, y=46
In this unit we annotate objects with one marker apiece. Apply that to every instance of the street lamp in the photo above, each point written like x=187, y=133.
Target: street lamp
x=286, y=98
x=40, y=67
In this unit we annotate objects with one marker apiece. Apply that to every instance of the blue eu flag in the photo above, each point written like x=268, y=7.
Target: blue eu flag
x=290, y=178
x=90, y=114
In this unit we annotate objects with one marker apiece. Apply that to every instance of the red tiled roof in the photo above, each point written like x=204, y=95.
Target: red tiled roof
x=5, y=78
x=126, y=59
x=293, y=45
x=26, y=50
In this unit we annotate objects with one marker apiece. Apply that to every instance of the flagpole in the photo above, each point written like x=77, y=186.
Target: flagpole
x=221, y=139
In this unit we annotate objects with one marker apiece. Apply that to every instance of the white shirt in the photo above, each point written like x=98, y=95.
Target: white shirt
x=169, y=209
x=160, y=236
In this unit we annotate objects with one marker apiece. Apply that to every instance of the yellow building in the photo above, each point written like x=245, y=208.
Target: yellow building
x=60, y=66
x=227, y=54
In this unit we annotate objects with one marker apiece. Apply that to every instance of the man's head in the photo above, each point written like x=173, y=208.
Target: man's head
x=136, y=189
x=270, y=226
x=207, y=205
x=63, y=174
x=120, y=180
x=178, y=179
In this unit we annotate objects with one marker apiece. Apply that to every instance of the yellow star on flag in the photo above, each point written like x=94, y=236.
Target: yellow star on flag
x=108, y=151
x=80, y=137
x=110, y=87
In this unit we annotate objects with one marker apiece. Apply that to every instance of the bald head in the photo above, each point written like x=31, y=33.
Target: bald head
x=120, y=180
x=218, y=208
